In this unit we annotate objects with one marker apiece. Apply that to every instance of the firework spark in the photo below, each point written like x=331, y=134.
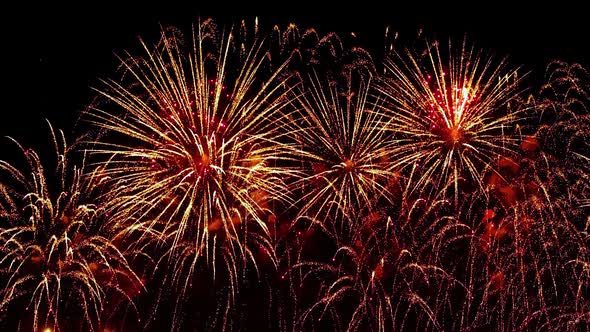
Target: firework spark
x=450, y=118
x=563, y=108
x=527, y=265
x=56, y=258
x=309, y=51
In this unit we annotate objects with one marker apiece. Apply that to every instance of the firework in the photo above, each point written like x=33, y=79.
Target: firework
x=388, y=275
x=562, y=109
x=452, y=115
x=56, y=258
x=197, y=159
x=343, y=152
x=225, y=172
x=528, y=264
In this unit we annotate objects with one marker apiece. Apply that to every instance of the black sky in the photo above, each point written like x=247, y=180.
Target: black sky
x=57, y=52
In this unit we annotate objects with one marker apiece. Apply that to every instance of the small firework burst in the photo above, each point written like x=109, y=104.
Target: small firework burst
x=452, y=115
x=343, y=152
x=56, y=258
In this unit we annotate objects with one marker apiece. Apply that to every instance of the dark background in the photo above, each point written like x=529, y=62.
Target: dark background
x=56, y=52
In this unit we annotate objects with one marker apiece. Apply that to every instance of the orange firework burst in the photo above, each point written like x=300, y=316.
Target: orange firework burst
x=451, y=119
x=56, y=257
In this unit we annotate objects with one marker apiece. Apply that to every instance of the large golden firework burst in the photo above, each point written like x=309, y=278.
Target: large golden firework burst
x=56, y=257
x=193, y=146
x=452, y=114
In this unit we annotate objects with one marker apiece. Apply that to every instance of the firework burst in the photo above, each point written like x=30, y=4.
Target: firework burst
x=56, y=258
x=343, y=152
x=199, y=166
x=452, y=115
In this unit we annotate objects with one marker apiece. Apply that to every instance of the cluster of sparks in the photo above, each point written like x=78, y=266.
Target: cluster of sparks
x=433, y=196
